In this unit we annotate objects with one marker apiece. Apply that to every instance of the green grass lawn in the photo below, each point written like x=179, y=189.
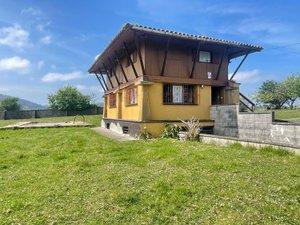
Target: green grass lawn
x=75, y=176
x=287, y=114
x=92, y=119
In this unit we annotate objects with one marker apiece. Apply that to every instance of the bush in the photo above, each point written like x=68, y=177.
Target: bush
x=144, y=135
x=68, y=99
x=170, y=131
x=193, y=127
x=10, y=104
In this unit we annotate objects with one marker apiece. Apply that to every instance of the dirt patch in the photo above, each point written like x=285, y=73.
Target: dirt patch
x=30, y=124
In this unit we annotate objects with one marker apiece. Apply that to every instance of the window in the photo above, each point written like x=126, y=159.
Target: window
x=131, y=96
x=178, y=94
x=112, y=101
x=205, y=57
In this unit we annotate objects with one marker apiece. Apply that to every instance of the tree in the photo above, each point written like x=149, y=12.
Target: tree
x=272, y=93
x=69, y=98
x=292, y=89
x=10, y=104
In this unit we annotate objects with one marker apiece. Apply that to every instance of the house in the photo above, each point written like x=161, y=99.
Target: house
x=153, y=76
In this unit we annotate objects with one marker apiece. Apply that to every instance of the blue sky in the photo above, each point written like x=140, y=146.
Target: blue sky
x=45, y=45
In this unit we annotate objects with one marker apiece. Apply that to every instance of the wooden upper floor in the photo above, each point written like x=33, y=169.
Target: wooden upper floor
x=141, y=54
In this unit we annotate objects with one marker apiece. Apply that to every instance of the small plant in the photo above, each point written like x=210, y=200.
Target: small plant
x=170, y=131
x=193, y=127
x=144, y=135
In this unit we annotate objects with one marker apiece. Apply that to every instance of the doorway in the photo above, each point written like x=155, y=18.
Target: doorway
x=216, y=96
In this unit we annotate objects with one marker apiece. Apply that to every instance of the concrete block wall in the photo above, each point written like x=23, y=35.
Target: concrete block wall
x=285, y=133
x=225, y=120
x=255, y=126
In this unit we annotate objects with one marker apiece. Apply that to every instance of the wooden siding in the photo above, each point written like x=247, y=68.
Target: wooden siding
x=178, y=66
x=180, y=61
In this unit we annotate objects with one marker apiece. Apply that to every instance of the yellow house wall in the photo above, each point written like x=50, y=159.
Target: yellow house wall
x=159, y=111
x=132, y=112
x=111, y=113
x=124, y=111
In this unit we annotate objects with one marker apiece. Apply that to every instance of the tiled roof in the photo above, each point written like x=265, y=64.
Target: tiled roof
x=179, y=35
x=188, y=36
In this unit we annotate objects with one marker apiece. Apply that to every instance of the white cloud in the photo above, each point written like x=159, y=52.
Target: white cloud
x=14, y=36
x=46, y=39
x=15, y=63
x=250, y=76
x=32, y=11
x=40, y=64
x=54, y=77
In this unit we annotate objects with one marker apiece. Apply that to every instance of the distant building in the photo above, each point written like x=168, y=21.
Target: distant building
x=153, y=76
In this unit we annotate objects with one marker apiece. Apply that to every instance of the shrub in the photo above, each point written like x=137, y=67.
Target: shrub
x=144, y=135
x=170, y=131
x=193, y=127
x=69, y=98
x=10, y=103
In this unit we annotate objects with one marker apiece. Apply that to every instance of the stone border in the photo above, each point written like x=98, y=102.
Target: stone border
x=226, y=141
x=26, y=125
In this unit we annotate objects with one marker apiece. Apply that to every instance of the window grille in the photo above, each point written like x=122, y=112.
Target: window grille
x=178, y=94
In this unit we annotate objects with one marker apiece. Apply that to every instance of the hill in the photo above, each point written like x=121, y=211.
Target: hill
x=25, y=104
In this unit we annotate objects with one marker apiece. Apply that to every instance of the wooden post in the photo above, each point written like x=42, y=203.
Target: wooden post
x=113, y=70
x=165, y=57
x=120, y=64
x=100, y=82
x=103, y=80
x=137, y=44
x=239, y=66
x=220, y=64
x=194, y=60
x=107, y=73
x=130, y=60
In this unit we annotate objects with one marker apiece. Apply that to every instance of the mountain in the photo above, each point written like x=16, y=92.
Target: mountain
x=25, y=104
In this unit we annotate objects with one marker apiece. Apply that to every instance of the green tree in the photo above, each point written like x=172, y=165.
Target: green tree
x=10, y=104
x=272, y=94
x=69, y=98
x=292, y=89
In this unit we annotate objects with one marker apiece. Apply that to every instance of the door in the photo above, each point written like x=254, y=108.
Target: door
x=216, y=96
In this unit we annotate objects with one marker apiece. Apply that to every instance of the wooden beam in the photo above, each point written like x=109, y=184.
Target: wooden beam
x=100, y=82
x=130, y=60
x=165, y=57
x=114, y=72
x=107, y=73
x=137, y=44
x=103, y=81
x=195, y=59
x=239, y=66
x=220, y=64
x=120, y=64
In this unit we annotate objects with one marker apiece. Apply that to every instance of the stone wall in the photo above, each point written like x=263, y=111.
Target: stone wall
x=225, y=120
x=257, y=127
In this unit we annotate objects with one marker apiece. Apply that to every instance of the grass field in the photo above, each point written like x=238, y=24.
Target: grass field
x=75, y=176
x=287, y=114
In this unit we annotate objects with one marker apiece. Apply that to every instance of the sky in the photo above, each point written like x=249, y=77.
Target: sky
x=45, y=45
